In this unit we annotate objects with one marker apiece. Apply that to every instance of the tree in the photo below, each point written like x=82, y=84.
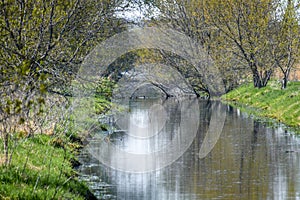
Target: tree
x=245, y=25
x=188, y=16
x=41, y=46
x=286, y=41
x=142, y=57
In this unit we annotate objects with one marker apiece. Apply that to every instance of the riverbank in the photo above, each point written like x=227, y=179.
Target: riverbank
x=270, y=102
x=42, y=167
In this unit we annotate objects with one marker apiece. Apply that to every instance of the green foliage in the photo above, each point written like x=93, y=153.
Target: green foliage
x=242, y=37
x=286, y=40
x=42, y=44
x=40, y=170
x=88, y=106
x=102, y=105
x=104, y=88
x=271, y=102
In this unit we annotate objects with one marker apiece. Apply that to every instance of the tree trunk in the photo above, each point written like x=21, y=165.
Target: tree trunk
x=5, y=145
x=284, y=82
x=261, y=80
x=162, y=89
x=257, y=80
x=285, y=79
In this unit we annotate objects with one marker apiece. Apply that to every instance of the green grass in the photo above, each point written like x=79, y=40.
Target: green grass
x=269, y=102
x=41, y=165
x=41, y=169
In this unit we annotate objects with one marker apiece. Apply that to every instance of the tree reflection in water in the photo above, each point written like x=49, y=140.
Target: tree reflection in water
x=249, y=161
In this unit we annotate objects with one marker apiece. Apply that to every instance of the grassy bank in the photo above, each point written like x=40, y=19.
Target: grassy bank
x=41, y=168
x=269, y=102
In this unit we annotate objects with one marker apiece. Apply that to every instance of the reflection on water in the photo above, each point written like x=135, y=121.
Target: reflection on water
x=249, y=161
x=155, y=146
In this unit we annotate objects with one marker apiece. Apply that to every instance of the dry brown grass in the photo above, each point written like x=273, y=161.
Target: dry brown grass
x=2, y=159
x=35, y=168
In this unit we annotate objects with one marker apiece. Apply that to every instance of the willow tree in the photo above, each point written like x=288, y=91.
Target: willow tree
x=246, y=26
x=41, y=45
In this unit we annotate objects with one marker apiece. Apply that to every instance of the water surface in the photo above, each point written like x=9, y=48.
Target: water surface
x=250, y=160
